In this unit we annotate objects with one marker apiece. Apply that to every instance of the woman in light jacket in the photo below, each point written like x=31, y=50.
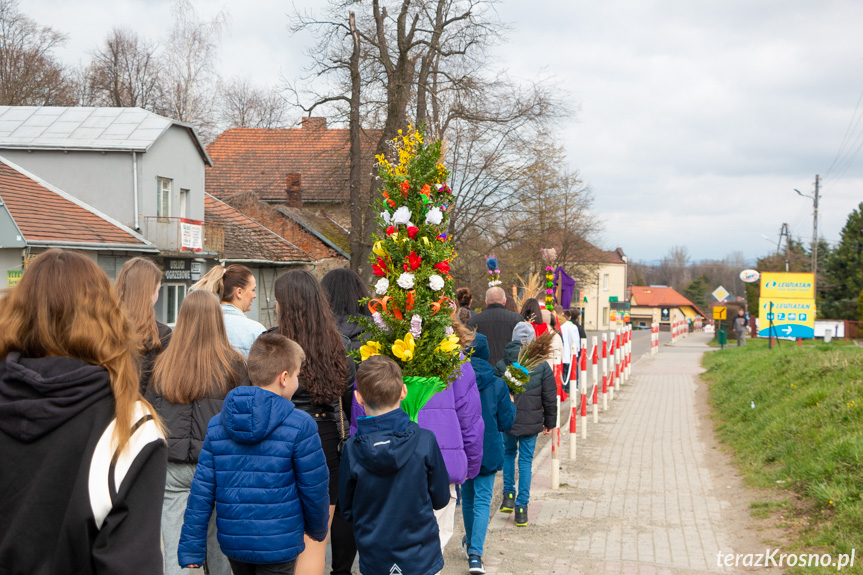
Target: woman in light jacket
x=235, y=287
x=190, y=381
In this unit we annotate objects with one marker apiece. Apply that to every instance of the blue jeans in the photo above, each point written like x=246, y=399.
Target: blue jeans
x=524, y=446
x=476, y=507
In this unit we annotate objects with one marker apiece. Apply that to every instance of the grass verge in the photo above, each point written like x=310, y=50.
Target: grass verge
x=805, y=433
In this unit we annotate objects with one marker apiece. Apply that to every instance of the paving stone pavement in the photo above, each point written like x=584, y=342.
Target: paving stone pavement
x=638, y=500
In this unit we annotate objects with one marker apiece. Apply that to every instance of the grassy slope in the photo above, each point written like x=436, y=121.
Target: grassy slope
x=806, y=430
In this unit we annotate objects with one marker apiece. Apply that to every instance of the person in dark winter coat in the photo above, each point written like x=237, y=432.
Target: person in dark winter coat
x=271, y=484
x=536, y=411
x=498, y=414
x=391, y=455
x=82, y=455
x=190, y=380
x=495, y=323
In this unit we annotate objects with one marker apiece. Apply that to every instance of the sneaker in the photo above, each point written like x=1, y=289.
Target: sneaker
x=521, y=516
x=508, y=504
x=464, y=547
x=474, y=565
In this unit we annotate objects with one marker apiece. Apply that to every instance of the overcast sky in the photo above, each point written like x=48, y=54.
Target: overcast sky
x=696, y=119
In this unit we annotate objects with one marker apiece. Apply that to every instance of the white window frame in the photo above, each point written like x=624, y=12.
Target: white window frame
x=163, y=191
x=605, y=316
x=184, y=203
x=604, y=282
x=170, y=293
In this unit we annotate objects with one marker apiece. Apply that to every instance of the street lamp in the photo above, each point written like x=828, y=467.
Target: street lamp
x=814, y=230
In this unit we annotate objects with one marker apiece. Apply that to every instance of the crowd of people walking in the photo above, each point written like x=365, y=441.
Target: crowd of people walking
x=131, y=448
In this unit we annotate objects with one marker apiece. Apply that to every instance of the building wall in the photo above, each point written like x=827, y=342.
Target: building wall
x=102, y=180
x=648, y=315
x=598, y=309
x=173, y=156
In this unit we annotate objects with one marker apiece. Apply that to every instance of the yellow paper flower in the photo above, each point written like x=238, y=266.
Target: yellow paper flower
x=369, y=349
x=449, y=344
x=404, y=348
x=379, y=249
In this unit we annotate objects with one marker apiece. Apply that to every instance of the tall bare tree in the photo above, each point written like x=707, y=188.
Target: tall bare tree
x=125, y=71
x=191, y=53
x=244, y=105
x=425, y=61
x=30, y=75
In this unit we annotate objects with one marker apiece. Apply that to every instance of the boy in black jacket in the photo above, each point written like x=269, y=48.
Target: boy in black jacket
x=392, y=477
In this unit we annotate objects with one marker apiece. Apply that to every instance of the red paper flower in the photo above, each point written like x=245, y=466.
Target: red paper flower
x=426, y=190
x=380, y=269
x=391, y=230
x=412, y=232
x=390, y=202
x=405, y=187
x=413, y=262
x=443, y=267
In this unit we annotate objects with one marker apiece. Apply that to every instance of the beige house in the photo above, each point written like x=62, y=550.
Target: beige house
x=602, y=279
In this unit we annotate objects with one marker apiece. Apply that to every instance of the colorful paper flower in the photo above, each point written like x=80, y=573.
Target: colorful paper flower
x=412, y=232
x=404, y=349
x=392, y=230
x=379, y=321
x=378, y=249
x=369, y=349
x=416, y=325
x=412, y=262
x=406, y=280
x=443, y=267
x=406, y=186
x=449, y=344
x=436, y=282
x=382, y=286
x=386, y=217
x=380, y=268
x=434, y=216
x=402, y=216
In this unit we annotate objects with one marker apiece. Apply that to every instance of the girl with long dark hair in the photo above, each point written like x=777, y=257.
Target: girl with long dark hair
x=305, y=317
x=345, y=289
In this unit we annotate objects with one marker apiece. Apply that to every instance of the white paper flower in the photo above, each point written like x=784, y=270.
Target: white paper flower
x=382, y=286
x=385, y=216
x=449, y=330
x=406, y=280
x=436, y=282
x=434, y=216
x=402, y=216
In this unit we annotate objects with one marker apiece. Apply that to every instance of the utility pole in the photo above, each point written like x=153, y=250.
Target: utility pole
x=815, y=236
x=783, y=232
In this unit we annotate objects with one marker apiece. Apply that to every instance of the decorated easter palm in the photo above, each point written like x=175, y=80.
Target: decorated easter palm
x=412, y=312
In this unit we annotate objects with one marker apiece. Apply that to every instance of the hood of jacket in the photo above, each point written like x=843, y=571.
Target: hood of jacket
x=250, y=414
x=385, y=443
x=479, y=361
x=37, y=395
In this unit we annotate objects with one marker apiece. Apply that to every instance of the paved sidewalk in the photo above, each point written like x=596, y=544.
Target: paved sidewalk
x=640, y=498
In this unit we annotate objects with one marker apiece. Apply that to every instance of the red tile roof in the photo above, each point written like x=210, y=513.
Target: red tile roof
x=660, y=296
x=44, y=213
x=247, y=240
x=264, y=161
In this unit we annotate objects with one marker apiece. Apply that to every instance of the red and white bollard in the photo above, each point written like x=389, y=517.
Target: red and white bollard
x=573, y=400
x=583, y=388
x=612, y=365
x=595, y=379
x=628, y=353
x=604, y=372
x=555, y=450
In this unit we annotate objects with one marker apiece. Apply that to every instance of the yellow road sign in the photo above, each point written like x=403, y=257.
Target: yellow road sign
x=720, y=312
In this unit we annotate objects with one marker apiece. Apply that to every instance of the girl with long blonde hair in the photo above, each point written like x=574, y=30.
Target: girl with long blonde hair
x=138, y=287
x=83, y=455
x=235, y=286
x=190, y=381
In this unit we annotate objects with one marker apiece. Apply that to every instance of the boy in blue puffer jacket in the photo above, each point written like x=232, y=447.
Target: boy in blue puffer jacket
x=392, y=477
x=263, y=466
x=498, y=413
